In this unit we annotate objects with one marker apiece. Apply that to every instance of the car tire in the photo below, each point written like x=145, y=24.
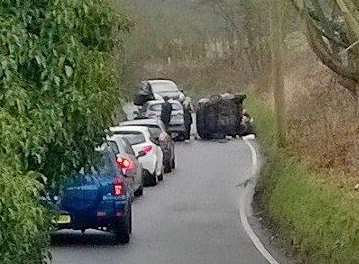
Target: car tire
x=150, y=178
x=181, y=137
x=168, y=167
x=153, y=179
x=160, y=177
x=139, y=191
x=124, y=229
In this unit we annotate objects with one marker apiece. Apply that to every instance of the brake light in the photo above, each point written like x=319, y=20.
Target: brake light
x=147, y=149
x=123, y=163
x=119, y=187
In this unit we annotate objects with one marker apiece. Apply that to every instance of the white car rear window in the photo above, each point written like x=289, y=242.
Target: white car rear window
x=158, y=107
x=133, y=137
x=164, y=87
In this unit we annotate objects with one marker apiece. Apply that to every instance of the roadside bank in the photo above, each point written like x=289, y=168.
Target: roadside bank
x=317, y=220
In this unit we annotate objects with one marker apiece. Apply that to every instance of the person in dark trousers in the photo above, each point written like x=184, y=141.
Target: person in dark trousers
x=166, y=112
x=187, y=120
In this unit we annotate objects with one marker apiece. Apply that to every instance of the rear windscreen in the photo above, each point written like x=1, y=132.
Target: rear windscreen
x=158, y=107
x=134, y=137
x=176, y=106
x=155, y=132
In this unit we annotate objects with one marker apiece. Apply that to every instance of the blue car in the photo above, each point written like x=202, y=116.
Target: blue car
x=97, y=198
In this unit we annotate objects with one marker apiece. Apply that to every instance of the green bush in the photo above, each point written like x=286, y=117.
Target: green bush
x=58, y=91
x=319, y=220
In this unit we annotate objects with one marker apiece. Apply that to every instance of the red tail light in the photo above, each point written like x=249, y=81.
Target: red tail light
x=123, y=163
x=147, y=149
x=119, y=187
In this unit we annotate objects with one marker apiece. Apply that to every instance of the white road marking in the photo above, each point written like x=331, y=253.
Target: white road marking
x=245, y=205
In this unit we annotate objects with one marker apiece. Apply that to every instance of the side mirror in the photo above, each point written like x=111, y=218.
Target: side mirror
x=140, y=154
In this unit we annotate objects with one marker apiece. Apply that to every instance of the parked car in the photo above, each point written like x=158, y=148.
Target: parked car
x=156, y=90
x=95, y=198
x=142, y=139
x=157, y=127
x=128, y=163
x=152, y=110
x=162, y=88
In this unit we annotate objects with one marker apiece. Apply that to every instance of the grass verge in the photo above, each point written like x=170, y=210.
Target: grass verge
x=318, y=220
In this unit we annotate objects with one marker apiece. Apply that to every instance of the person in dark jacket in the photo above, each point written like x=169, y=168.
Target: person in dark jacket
x=166, y=112
x=187, y=119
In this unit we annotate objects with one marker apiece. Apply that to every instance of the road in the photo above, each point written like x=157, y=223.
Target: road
x=190, y=218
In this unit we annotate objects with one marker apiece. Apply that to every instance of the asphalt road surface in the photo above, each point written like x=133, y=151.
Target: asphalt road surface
x=190, y=218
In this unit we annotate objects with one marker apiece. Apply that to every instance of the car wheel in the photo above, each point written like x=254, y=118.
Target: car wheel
x=139, y=191
x=160, y=177
x=150, y=179
x=181, y=137
x=168, y=167
x=123, y=230
x=154, y=179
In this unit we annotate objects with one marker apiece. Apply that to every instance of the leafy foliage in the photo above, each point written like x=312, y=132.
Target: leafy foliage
x=58, y=90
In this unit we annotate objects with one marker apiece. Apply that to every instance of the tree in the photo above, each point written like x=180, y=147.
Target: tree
x=333, y=33
x=58, y=90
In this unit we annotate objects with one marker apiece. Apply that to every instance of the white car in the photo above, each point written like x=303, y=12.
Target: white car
x=152, y=110
x=162, y=88
x=147, y=148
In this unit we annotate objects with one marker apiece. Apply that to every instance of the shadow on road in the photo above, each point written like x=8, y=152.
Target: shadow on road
x=87, y=239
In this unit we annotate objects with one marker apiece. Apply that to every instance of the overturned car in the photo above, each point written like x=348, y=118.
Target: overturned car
x=223, y=115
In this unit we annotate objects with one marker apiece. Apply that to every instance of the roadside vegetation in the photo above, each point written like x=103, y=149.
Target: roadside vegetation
x=314, y=217
x=58, y=92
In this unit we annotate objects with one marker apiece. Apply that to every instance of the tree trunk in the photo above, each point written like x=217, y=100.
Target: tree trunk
x=277, y=71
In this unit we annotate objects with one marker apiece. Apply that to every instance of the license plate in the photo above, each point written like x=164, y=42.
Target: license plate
x=63, y=219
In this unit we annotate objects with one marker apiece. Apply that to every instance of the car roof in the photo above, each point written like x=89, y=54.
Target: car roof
x=153, y=102
x=130, y=128
x=147, y=121
x=160, y=81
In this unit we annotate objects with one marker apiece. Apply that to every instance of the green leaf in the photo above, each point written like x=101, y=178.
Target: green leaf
x=68, y=71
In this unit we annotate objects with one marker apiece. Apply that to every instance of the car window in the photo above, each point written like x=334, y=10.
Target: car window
x=163, y=87
x=106, y=166
x=156, y=107
x=134, y=137
x=121, y=145
x=176, y=106
x=114, y=147
x=127, y=147
x=155, y=132
x=103, y=166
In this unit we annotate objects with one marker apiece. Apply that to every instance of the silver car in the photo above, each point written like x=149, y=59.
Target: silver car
x=152, y=110
x=162, y=88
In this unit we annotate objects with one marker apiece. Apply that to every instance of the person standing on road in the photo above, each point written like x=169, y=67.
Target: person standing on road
x=187, y=108
x=166, y=112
